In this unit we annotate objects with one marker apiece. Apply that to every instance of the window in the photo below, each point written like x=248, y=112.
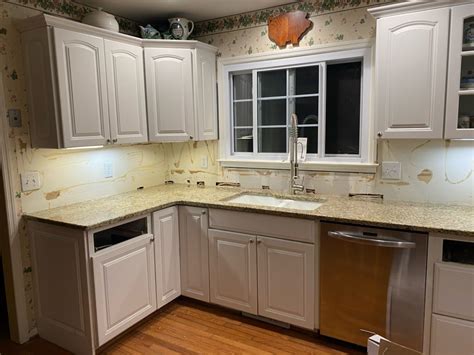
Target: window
x=327, y=92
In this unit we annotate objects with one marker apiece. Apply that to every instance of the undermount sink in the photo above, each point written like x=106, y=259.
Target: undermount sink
x=270, y=201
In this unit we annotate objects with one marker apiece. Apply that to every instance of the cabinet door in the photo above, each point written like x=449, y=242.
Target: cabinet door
x=460, y=96
x=169, y=87
x=126, y=92
x=168, y=281
x=286, y=281
x=194, y=252
x=82, y=88
x=206, y=95
x=411, y=74
x=451, y=336
x=233, y=270
x=124, y=282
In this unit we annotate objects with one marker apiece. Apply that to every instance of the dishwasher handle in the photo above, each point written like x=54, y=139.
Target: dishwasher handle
x=380, y=241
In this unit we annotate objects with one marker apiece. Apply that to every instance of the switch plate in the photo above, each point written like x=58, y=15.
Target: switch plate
x=391, y=170
x=108, y=170
x=30, y=180
x=204, y=162
x=14, y=117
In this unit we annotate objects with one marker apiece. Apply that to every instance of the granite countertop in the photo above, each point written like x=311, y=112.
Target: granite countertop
x=452, y=219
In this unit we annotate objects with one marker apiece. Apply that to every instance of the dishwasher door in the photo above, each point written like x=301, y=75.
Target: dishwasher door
x=372, y=279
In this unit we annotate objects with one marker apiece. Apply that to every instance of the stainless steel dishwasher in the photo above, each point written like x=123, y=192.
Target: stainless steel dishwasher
x=372, y=279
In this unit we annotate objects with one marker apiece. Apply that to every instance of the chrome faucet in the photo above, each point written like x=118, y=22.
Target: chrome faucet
x=293, y=148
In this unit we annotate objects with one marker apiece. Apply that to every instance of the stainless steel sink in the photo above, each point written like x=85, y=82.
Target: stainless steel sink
x=271, y=201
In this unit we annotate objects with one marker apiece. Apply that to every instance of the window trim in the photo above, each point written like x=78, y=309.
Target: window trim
x=339, y=52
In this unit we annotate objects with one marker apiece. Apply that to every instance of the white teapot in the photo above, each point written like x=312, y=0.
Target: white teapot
x=180, y=27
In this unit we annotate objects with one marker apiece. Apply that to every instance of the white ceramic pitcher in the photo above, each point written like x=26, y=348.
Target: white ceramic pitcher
x=181, y=27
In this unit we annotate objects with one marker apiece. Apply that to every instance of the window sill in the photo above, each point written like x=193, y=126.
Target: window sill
x=366, y=168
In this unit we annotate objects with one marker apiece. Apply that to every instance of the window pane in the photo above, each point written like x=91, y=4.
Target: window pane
x=242, y=86
x=272, y=112
x=343, y=108
x=466, y=111
x=272, y=83
x=306, y=108
x=312, y=134
x=243, y=113
x=272, y=140
x=307, y=80
x=243, y=140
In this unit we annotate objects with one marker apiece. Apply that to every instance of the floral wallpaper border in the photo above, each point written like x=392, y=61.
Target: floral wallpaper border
x=260, y=17
x=73, y=10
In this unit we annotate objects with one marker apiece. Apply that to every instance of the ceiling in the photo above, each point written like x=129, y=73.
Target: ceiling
x=145, y=11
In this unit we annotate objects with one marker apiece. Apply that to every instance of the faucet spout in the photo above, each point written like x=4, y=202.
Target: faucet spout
x=293, y=150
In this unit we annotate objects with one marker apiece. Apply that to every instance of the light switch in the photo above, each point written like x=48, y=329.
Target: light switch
x=30, y=180
x=391, y=170
x=108, y=170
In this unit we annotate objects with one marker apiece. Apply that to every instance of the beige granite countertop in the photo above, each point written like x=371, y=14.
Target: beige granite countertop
x=88, y=215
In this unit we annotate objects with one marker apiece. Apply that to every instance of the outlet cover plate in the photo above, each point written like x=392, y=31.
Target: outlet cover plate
x=30, y=180
x=391, y=170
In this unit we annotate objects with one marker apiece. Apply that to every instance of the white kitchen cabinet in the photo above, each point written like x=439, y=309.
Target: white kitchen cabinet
x=126, y=92
x=124, y=285
x=451, y=336
x=82, y=88
x=286, y=281
x=194, y=252
x=169, y=79
x=233, y=270
x=411, y=66
x=166, y=232
x=181, y=91
x=460, y=98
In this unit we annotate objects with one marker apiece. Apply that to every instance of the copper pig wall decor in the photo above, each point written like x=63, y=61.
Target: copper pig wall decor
x=289, y=27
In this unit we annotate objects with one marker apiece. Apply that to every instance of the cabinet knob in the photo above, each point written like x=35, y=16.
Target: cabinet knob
x=203, y=212
x=251, y=241
x=379, y=134
x=108, y=141
x=191, y=137
x=259, y=241
x=114, y=140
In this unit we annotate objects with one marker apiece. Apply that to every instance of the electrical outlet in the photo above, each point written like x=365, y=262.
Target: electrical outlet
x=14, y=117
x=391, y=170
x=204, y=163
x=30, y=180
x=108, y=169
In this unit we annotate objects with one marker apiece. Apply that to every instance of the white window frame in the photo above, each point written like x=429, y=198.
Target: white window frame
x=345, y=52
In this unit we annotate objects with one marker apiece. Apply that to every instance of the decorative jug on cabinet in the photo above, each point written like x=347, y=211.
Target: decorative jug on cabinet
x=180, y=27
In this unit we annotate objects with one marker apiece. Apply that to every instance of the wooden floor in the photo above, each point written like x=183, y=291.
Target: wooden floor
x=190, y=327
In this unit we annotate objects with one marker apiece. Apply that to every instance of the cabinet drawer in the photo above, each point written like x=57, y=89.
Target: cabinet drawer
x=454, y=290
x=450, y=336
x=303, y=230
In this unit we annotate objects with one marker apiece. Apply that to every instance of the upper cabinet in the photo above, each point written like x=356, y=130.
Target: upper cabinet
x=411, y=52
x=460, y=95
x=425, y=71
x=88, y=86
x=181, y=91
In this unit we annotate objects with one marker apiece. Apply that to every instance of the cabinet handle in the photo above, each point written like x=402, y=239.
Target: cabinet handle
x=152, y=239
x=191, y=137
x=114, y=140
x=379, y=134
x=259, y=241
x=251, y=241
x=203, y=212
x=108, y=141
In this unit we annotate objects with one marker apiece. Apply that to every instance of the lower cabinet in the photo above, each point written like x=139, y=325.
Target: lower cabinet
x=286, y=281
x=194, y=253
x=451, y=336
x=270, y=277
x=233, y=270
x=167, y=266
x=124, y=284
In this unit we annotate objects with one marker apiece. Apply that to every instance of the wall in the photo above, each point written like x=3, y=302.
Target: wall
x=432, y=171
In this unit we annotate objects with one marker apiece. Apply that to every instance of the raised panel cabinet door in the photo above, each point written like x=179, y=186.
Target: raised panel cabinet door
x=459, y=102
x=82, y=88
x=169, y=87
x=206, y=95
x=124, y=283
x=126, y=92
x=233, y=270
x=166, y=232
x=451, y=336
x=286, y=281
x=411, y=66
x=194, y=252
